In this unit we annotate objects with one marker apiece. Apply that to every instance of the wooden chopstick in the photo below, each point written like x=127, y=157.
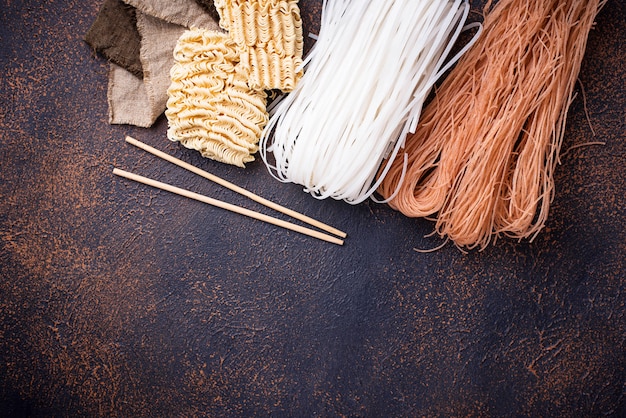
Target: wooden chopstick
x=236, y=188
x=228, y=206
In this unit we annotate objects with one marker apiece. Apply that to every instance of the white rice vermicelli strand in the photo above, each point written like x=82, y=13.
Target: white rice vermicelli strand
x=364, y=85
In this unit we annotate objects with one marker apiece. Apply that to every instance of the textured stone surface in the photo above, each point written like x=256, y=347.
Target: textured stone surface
x=120, y=300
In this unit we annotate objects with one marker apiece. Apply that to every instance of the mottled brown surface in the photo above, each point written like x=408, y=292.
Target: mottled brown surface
x=120, y=300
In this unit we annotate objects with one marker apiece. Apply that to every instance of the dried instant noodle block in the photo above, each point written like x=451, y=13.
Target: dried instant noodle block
x=268, y=34
x=210, y=106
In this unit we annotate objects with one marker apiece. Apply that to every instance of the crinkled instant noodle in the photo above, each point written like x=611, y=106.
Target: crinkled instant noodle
x=268, y=34
x=210, y=107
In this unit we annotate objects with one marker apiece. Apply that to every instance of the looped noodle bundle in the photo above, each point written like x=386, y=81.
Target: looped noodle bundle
x=484, y=153
x=367, y=76
x=268, y=34
x=210, y=107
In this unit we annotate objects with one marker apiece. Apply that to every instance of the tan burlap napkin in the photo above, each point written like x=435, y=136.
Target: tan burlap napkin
x=160, y=23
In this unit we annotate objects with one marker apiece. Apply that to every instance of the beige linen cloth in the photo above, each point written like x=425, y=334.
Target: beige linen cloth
x=160, y=23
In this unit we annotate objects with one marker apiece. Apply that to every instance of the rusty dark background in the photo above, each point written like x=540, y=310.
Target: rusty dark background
x=120, y=300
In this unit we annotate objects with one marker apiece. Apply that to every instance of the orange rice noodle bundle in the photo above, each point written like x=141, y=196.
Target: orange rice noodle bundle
x=483, y=155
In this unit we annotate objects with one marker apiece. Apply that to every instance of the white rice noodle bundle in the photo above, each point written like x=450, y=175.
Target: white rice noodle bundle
x=365, y=82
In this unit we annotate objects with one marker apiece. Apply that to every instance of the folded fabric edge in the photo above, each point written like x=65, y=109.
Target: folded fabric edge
x=127, y=99
x=187, y=13
x=114, y=36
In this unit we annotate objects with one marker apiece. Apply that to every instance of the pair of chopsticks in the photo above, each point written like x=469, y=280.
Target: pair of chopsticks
x=228, y=206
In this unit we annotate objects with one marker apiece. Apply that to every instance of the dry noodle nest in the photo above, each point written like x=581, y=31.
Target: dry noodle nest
x=268, y=34
x=211, y=107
